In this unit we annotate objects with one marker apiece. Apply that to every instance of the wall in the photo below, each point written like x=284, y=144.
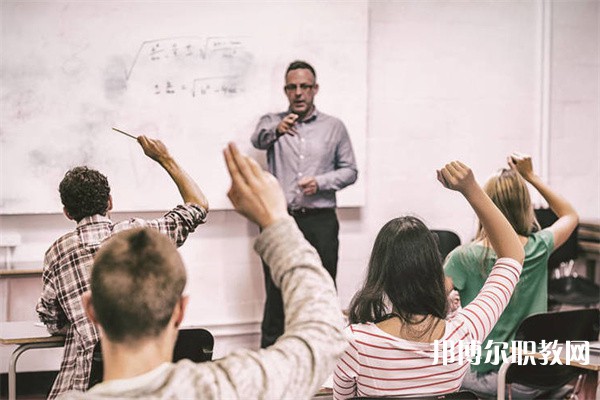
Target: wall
x=447, y=80
x=574, y=167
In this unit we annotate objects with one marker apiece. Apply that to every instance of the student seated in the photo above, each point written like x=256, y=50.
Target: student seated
x=85, y=195
x=399, y=314
x=136, y=301
x=469, y=265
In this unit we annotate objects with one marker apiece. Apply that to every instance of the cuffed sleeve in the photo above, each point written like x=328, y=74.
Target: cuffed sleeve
x=265, y=133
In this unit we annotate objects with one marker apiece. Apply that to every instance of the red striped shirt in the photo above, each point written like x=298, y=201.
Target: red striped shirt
x=379, y=364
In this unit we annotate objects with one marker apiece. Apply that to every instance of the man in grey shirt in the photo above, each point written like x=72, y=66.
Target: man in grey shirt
x=310, y=153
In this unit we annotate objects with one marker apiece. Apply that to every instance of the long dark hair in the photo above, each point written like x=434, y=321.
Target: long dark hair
x=405, y=270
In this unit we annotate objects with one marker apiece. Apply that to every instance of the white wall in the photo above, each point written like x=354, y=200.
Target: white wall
x=447, y=80
x=574, y=167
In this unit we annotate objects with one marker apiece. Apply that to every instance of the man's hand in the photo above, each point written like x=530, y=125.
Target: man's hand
x=457, y=176
x=188, y=188
x=254, y=193
x=155, y=149
x=522, y=164
x=308, y=185
x=287, y=125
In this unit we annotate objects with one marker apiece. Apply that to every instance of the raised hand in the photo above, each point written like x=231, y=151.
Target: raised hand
x=522, y=164
x=287, y=125
x=503, y=238
x=254, y=193
x=154, y=148
x=457, y=176
x=188, y=188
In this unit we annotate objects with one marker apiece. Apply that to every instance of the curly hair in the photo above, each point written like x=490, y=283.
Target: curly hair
x=84, y=192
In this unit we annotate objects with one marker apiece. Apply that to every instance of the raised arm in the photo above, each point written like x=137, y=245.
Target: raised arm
x=504, y=240
x=297, y=364
x=567, y=216
x=482, y=313
x=188, y=188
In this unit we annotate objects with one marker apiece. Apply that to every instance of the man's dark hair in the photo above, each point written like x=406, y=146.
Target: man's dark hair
x=84, y=192
x=137, y=278
x=405, y=269
x=299, y=64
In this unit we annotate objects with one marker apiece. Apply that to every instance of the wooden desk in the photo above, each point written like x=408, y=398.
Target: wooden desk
x=20, y=273
x=26, y=335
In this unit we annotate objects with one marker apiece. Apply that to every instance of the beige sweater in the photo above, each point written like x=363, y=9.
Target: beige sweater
x=293, y=368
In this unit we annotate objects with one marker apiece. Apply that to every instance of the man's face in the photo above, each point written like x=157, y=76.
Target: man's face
x=300, y=89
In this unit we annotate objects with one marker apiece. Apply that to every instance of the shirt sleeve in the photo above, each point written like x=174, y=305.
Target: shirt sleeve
x=453, y=268
x=547, y=238
x=481, y=314
x=265, y=133
x=48, y=306
x=345, y=171
x=177, y=223
x=346, y=370
x=300, y=361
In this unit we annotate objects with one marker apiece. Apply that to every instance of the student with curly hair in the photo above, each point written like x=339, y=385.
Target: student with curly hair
x=85, y=195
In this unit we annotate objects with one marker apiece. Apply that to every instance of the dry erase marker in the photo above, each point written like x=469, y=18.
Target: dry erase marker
x=125, y=133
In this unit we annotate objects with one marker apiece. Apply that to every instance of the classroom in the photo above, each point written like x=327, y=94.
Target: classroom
x=417, y=84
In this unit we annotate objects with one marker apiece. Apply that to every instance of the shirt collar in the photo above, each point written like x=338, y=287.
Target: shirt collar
x=137, y=385
x=93, y=219
x=311, y=117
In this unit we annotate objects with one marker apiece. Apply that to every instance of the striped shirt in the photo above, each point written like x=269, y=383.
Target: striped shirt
x=379, y=364
x=66, y=277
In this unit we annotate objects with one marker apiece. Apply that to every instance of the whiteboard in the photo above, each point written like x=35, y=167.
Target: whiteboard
x=193, y=74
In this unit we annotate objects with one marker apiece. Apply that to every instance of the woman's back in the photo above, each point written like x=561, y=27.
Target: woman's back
x=378, y=363
x=469, y=265
x=405, y=272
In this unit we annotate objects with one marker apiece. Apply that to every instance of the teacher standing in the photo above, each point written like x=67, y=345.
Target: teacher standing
x=311, y=155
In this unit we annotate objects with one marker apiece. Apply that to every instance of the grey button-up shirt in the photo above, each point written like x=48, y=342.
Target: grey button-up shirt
x=321, y=149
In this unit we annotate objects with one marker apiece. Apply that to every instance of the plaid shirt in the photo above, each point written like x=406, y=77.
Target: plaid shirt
x=66, y=276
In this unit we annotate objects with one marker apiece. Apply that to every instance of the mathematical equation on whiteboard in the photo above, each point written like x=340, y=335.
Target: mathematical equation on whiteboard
x=191, y=66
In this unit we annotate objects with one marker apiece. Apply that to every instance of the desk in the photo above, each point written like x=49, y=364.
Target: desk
x=27, y=335
x=588, y=391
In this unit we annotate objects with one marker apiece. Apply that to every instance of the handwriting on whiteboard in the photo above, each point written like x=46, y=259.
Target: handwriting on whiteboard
x=191, y=66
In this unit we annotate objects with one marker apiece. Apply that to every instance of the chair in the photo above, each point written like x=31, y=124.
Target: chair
x=460, y=395
x=447, y=241
x=571, y=289
x=195, y=344
x=576, y=325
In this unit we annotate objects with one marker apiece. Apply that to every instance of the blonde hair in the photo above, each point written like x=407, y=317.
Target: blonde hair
x=509, y=192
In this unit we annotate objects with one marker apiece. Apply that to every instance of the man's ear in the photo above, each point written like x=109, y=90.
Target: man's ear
x=67, y=214
x=316, y=88
x=86, y=298
x=110, y=203
x=180, y=309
